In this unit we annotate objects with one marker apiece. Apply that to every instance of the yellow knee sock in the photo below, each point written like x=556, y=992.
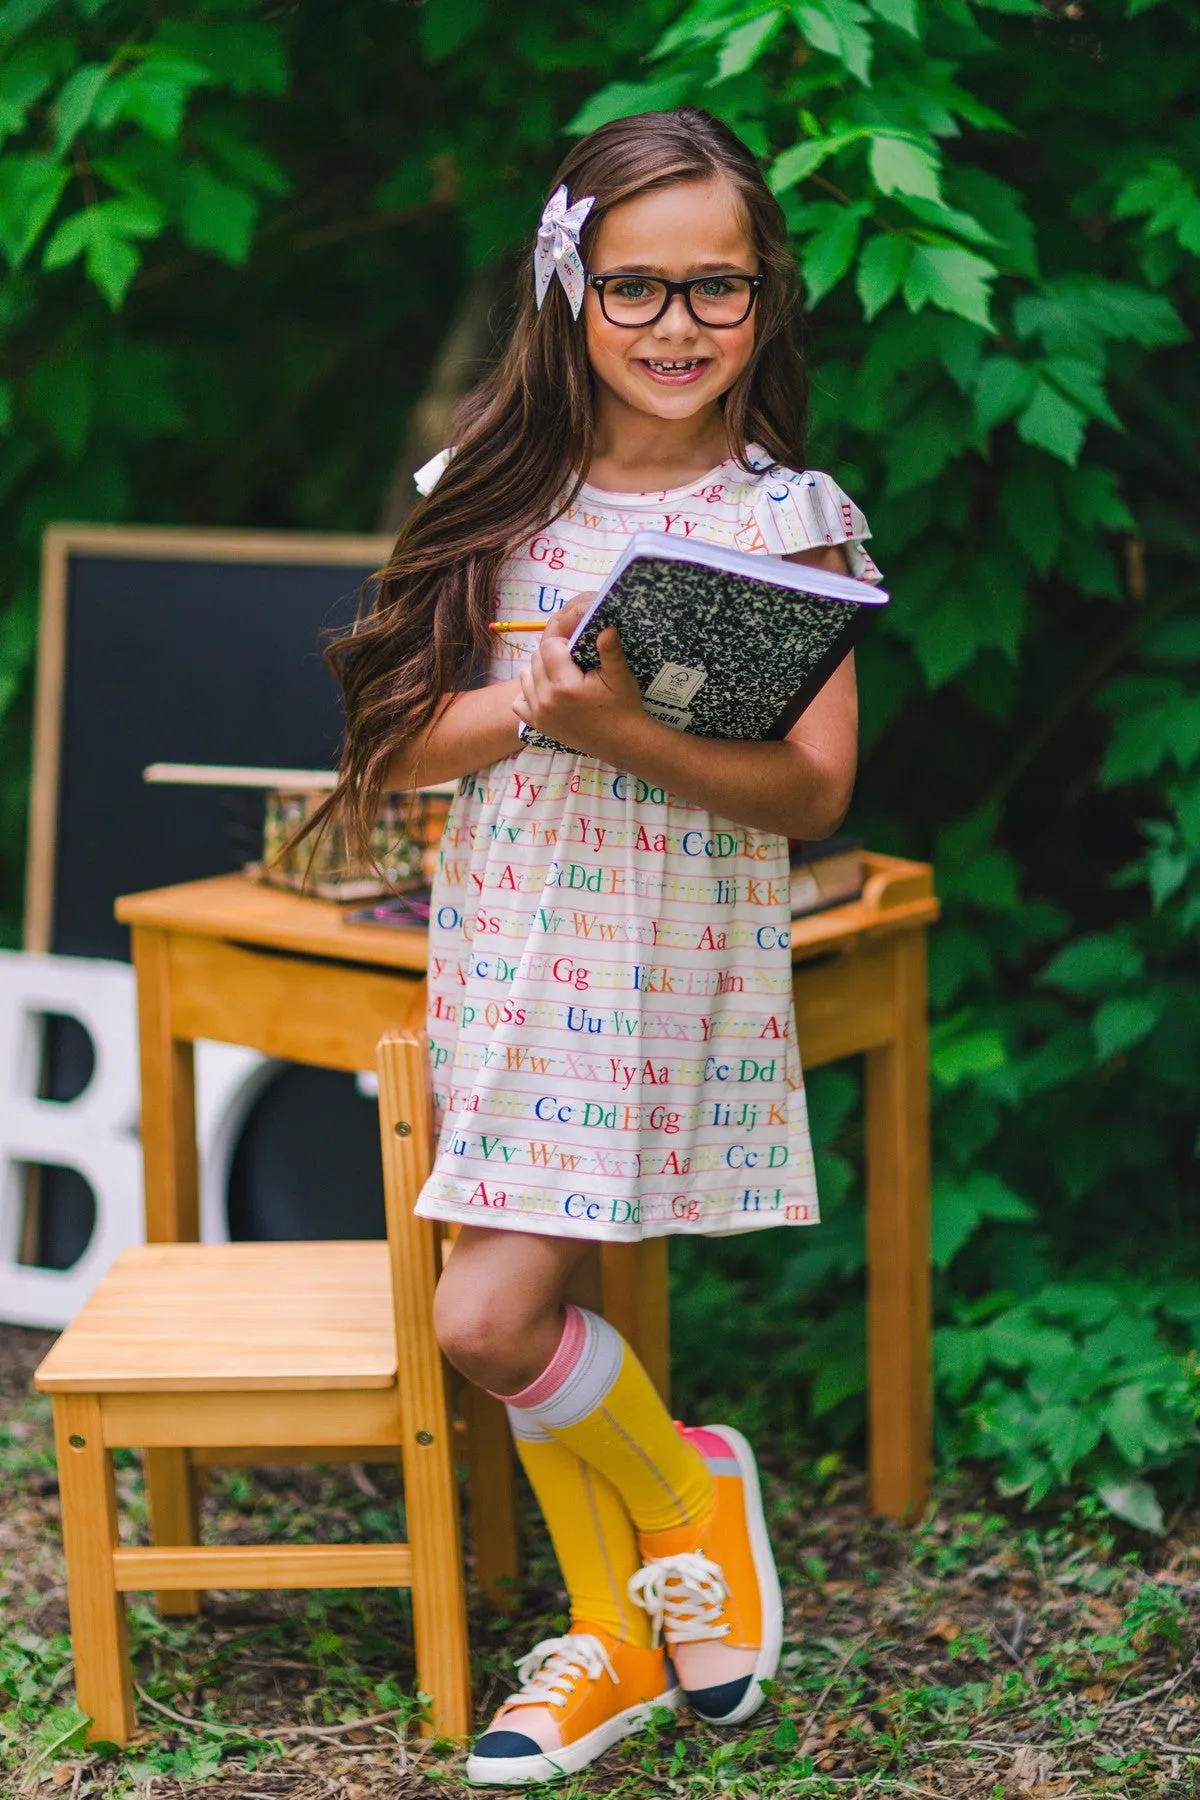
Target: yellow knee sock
x=596, y=1399
x=592, y=1534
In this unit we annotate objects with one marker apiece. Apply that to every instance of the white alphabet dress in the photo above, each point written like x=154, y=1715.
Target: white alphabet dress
x=610, y=977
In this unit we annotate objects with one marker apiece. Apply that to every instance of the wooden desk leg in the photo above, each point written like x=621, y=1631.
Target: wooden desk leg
x=898, y=1277
x=103, y=1679
x=172, y=1183
x=172, y=1190
x=636, y=1301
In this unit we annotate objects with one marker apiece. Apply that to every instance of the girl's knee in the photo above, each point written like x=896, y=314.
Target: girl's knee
x=479, y=1332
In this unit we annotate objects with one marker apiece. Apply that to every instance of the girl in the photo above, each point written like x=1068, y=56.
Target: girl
x=609, y=966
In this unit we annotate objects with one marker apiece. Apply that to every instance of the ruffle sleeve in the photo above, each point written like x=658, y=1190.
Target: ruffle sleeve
x=806, y=510
x=428, y=475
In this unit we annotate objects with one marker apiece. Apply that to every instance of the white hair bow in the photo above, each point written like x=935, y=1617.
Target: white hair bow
x=556, y=251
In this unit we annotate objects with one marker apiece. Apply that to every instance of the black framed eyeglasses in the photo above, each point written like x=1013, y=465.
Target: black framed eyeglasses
x=715, y=301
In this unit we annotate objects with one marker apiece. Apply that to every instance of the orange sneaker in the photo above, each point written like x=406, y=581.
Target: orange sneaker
x=579, y=1695
x=712, y=1591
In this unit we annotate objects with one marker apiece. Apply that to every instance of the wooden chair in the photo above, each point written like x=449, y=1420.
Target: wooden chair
x=325, y=1351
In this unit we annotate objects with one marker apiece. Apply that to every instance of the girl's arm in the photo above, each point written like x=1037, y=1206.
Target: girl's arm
x=471, y=730
x=799, y=786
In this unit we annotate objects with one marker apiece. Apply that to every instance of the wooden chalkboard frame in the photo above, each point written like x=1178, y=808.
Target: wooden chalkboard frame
x=179, y=543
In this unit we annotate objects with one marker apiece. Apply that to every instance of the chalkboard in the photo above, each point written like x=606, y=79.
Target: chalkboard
x=171, y=646
x=201, y=647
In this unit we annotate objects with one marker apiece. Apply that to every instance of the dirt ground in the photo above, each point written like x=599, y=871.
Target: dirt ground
x=980, y=1652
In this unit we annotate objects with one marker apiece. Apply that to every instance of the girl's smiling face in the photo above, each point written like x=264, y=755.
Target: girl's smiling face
x=675, y=368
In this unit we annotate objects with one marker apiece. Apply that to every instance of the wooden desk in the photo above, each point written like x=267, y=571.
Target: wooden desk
x=230, y=960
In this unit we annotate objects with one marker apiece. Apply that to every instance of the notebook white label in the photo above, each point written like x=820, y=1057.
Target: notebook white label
x=676, y=684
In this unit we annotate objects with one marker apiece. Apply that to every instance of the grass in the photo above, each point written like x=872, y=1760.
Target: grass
x=979, y=1653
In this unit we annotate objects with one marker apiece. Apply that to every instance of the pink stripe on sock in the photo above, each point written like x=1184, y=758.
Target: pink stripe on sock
x=570, y=1348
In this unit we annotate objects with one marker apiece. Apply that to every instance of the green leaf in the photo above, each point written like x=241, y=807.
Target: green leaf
x=112, y=262
x=840, y=29
x=959, y=1050
x=954, y=280
x=1178, y=641
x=1156, y=722
x=881, y=268
x=972, y=866
x=1017, y=1342
x=411, y=184
x=1094, y=966
x=699, y=23
x=26, y=76
x=827, y=255
x=248, y=162
x=61, y=395
x=800, y=160
x=76, y=98
x=1134, y=1501
x=30, y=189
x=154, y=95
x=446, y=25
x=1030, y=507
x=1077, y=309
x=934, y=433
x=960, y=351
x=246, y=55
x=900, y=165
x=217, y=216
x=947, y=633
x=962, y=1204
x=1087, y=564
x=1001, y=210
x=1002, y=388
x=1092, y=499
x=745, y=44
x=786, y=1736
x=900, y=13
x=1169, y=196
x=621, y=99
x=1081, y=382
x=19, y=15
x=946, y=219
x=1124, y=1020
x=102, y=235
x=1132, y=1423
x=959, y=1359
x=1053, y=423
x=1068, y=1433
x=841, y=1376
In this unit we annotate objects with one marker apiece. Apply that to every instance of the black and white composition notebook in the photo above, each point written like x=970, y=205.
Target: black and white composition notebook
x=722, y=643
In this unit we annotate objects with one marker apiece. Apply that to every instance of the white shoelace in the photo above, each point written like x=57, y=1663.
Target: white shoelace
x=548, y=1673
x=684, y=1595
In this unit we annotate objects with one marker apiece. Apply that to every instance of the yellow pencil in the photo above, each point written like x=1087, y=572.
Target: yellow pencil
x=534, y=625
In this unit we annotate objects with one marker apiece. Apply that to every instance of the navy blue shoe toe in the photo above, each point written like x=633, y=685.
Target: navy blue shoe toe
x=510, y=1743
x=716, y=1703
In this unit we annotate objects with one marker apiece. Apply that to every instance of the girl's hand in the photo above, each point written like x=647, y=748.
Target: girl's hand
x=588, y=711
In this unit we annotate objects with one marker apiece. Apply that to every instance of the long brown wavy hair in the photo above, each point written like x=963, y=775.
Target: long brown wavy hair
x=523, y=443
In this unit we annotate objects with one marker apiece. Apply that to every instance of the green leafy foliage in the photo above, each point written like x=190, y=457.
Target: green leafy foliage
x=231, y=238
x=1076, y=1384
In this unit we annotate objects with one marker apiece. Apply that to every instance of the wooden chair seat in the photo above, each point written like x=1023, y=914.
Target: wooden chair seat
x=219, y=1318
